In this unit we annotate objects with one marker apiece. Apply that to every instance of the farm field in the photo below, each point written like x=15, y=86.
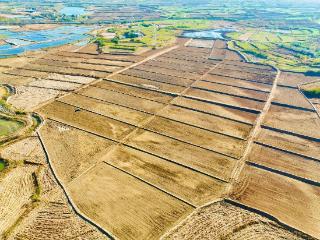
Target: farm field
x=138, y=136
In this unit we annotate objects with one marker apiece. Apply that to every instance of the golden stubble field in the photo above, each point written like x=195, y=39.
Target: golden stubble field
x=192, y=142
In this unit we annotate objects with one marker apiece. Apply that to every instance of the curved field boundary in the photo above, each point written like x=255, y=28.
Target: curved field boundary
x=269, y=216
x=69, y=199
x=283, y=173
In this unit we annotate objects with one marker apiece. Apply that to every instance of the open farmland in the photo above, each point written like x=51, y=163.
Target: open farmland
x=156, y=144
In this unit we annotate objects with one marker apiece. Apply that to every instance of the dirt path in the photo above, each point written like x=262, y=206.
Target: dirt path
x=257, y=127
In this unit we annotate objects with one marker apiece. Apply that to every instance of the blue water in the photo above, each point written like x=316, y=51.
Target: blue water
x=212, y=34
x=76, y=11
x=35, y=40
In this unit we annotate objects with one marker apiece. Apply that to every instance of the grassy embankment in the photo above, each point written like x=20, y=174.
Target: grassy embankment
x=292, y=50
x=152, y=34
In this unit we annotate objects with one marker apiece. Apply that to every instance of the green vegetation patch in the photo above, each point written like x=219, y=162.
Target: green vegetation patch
x=312, y=93
x=9, y=126
x=3, y=164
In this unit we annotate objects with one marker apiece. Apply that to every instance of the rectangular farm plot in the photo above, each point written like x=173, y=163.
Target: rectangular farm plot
x=293, y=120
x=140, y=82
x=180, y=181
x=264, y=78
x=70, y=150
x=122, y=99
x=111, y=110
x=237, y=82
x=291, y=201
x=225, y=99
x=134, y=91
x=200, y=137
x=207, y=121
x=211, y=163
x=216, y=109
x=58, y=85
x=231, y=90
x=291, y=143
x=124, y=205
x=157, y=77
x=285, y=162
x=83, y=119
x=291, y=97
x=171, y=72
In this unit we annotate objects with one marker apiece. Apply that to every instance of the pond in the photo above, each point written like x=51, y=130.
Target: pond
x=3, y=164
x=208, y=34
x=76, y=11
x=9, y=126
x=21, y=42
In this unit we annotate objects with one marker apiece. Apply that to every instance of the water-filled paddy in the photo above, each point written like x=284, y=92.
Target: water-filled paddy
x=210, y=34
x=69, y=11
x=21, y=42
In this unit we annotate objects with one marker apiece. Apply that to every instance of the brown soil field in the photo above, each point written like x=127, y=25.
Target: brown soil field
x=28, y=149
x=66, y=70
x=218, y=54
x=290, y=143
x=124, y=205
x=264, y=78
x=170, y=72
x=220, y=44
x=72, y=151
x=248, y=65
x=125, y=58
x=206, y=121
x=111, y=110
x=233, y=56
x=215, y=109
x=244, y=68
x=90, y=48
x=16, y=189
x=83, y=119
x=34, y=27
x=27, y=73
x=54, y=220
x=85, y=66
x=134, y=91
x=69, y=78
x=140, y=82
x=15, y=80
x=231, y=90
x=194, y=68
x=187, y=184
x=223, y=220
x=206, y=161
x=294, y=79
x=225, y=99
x=28, y=98
x=200, y=43
x=285, y=162
x=96, y=61
x=237, y=82
x=203, y=138
x=198, y=67
x=158, y=77
x=53, y=84
x=291, y=201
x=293, y=120
x=122, y=99
x=291, y=97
